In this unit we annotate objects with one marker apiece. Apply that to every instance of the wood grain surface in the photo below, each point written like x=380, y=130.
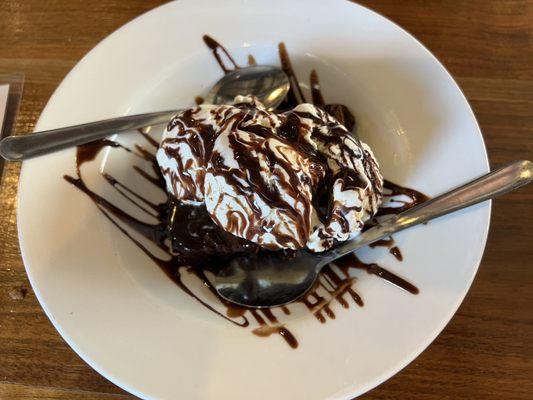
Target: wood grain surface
x=486, y=352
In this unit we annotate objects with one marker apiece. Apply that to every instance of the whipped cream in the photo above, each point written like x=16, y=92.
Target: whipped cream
x=281, y=180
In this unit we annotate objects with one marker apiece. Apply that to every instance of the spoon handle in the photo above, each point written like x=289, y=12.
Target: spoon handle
x=18, y=148
x=493, y=184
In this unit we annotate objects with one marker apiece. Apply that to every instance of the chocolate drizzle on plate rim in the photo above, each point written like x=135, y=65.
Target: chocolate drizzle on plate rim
x=195, y=244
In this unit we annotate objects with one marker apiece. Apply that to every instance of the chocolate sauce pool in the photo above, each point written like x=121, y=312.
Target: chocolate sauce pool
x=195, y=244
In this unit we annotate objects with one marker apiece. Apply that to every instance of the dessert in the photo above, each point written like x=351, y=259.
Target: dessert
x=290, y=180
x=298, y=169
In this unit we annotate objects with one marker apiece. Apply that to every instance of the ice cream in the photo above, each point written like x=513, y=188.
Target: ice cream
x=288, y=180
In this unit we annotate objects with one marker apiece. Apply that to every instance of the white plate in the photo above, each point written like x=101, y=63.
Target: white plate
x=130, y=323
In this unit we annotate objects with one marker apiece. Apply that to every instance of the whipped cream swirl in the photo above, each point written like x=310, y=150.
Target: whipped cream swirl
x=288, y=180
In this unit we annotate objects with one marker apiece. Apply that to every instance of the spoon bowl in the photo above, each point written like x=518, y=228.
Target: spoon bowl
x=267, y=280
x=268, y=83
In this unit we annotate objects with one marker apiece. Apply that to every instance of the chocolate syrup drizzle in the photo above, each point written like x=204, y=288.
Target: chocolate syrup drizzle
x=392, y=191
x=251, y=60
x=218, y=52
x=194, y=244
x=389, y=243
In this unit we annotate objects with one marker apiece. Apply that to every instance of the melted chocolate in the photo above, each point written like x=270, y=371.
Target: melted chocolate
x=389, y=243
x=337, y=284
x=396, y=252
x=295, y=95
x=151, y=141
x=219, y=50
x=251, y=60
x=341, y=114
x=198, y=240
x=89, y=151
x=392, y=190
x=271, y=325
x=316, y=93
x=193, y=243
x=352, y=261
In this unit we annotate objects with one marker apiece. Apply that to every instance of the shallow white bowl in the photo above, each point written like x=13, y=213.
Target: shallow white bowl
x=129, y=322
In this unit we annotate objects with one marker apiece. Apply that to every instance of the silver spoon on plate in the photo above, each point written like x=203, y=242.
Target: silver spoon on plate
x=268, y=83
x=274, y=280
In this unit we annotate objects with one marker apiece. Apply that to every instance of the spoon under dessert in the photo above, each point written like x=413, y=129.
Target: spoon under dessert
x=268, y=83
x=274, y=280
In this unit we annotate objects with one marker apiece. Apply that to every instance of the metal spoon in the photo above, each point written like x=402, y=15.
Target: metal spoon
x=269, y=281
x=268, y=83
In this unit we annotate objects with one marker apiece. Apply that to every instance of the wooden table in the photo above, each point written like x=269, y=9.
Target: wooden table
x=486, y=352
